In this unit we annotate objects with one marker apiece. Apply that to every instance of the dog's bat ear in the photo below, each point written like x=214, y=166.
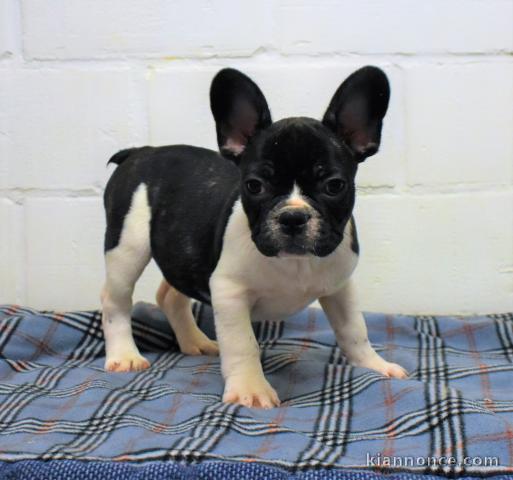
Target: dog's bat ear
x=239, y=108
x=356, y=111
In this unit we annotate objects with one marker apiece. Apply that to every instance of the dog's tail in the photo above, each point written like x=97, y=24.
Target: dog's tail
x=121, y=156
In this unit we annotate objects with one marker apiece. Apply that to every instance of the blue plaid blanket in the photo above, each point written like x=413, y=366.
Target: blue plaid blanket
x=453, y=416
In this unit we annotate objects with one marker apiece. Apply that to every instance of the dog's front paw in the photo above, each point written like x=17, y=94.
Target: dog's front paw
x=392, y=370
x=388, y=369
x=129, y=362
x=250, y=392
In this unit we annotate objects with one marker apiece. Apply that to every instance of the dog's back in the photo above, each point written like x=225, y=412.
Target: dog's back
x=185, y=233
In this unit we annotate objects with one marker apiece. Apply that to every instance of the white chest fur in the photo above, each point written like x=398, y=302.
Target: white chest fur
x=278, y=286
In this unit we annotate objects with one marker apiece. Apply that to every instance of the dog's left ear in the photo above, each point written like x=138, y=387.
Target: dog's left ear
x=239, y=108
x=357, y=109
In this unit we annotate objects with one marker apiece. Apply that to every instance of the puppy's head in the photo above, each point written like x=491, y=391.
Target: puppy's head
x=297, y=174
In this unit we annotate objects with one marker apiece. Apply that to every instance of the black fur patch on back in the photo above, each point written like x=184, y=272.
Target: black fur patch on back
x=191, y=192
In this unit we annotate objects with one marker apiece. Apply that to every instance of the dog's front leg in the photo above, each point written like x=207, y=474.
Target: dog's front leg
x=240, y=354
x=351, y=332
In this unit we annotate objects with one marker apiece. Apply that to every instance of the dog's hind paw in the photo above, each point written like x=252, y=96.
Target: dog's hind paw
x=197, y=343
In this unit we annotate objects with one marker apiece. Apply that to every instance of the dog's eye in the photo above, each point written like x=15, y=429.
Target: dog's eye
x=334, y=186
x=255, y=186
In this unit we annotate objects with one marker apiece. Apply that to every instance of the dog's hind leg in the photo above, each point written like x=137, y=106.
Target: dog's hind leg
x=177, y=308
x=124, y=264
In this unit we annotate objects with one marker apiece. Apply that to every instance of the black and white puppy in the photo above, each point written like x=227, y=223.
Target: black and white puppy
x=260, y=231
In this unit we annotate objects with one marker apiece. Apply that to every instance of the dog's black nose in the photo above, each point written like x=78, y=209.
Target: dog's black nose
x=293, y=221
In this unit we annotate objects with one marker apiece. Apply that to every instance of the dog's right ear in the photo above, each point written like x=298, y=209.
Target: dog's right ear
x=239, y=108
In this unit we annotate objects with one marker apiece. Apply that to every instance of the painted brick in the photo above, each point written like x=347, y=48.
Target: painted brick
x=5, y=121
x=402, y=26
x=159, y=28
x=73, y=91
x=451, y=261
x=458, y=131
x=179, y=109
x=11, y=271
x=63, y=125
x=436, y=253
x=8, y=23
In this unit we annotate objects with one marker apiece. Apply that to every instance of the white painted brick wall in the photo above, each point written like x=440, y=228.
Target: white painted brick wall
x=460, y=129
x=66, y=29
x=397, y=26
x=64, y=122
x=436, y=252
x=80, y=79
x=9, y=19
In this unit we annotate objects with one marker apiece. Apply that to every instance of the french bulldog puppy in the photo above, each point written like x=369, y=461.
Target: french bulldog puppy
x=259, y=231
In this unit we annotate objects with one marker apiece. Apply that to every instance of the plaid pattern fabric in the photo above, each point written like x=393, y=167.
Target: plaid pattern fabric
x=57, y=402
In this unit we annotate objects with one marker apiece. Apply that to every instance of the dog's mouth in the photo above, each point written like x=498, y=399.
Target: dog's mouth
x=301, y=245
x=274, y=243
x=297, y=246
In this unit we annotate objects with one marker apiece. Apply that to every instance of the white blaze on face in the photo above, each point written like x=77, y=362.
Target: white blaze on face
x=296, y=199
